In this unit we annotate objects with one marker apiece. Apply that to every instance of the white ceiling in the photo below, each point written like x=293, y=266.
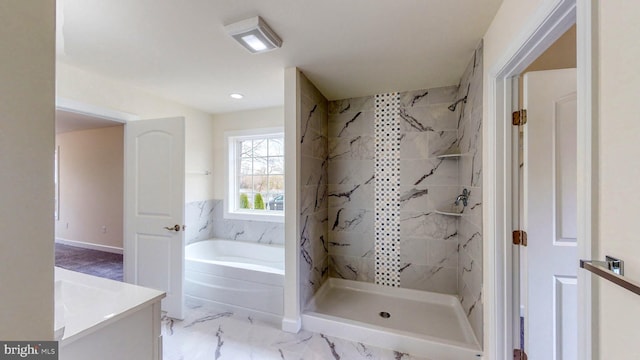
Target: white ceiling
x=178, y=49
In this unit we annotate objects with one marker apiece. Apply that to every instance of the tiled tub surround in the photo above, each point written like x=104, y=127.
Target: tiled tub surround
x=428, y=241
x=313, y=128
x=470, y=169
x=205, y=220
x=228, y=261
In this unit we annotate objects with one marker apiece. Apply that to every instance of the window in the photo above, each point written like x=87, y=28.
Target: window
x=256, y=175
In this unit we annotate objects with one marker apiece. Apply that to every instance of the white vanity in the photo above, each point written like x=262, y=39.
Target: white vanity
x=105, y=319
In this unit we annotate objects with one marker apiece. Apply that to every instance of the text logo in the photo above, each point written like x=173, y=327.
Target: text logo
x=46, y=350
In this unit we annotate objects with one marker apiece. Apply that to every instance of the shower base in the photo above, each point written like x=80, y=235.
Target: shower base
x=421, y=323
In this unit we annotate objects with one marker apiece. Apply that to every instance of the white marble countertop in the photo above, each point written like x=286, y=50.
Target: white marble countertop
x=89, y=303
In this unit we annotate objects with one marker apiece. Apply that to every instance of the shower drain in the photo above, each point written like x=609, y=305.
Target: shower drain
x=384, y=314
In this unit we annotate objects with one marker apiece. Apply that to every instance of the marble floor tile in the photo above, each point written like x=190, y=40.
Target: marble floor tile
x=208, y=333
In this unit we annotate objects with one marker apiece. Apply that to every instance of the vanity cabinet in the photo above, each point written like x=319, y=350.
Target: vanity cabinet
x=105, y=319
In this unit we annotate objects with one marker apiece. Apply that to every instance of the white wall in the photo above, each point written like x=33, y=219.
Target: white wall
x=506, y=25
x=618, y=310
x=27, y=36
x=91, y=167
x=291, y=321
x=241, y=120
x=90, y=88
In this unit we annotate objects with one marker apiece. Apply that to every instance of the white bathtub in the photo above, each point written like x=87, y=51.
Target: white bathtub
x=237, y=275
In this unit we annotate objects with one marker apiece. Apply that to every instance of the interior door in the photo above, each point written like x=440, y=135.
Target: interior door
x=154, y=209
x=550, y=194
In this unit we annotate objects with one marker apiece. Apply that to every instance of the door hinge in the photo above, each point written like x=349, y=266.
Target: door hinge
x=519, y=117
x=519, y=354
x=520, y=237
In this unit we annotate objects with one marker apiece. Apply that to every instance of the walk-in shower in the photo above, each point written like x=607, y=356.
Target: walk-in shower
x=379, y=260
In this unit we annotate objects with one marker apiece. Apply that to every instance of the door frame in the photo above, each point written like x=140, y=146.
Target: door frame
x=94, y=110
x=544, y=27
x=122, y=117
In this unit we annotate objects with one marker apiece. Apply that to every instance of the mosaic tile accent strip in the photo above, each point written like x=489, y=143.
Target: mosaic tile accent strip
x=387, y=189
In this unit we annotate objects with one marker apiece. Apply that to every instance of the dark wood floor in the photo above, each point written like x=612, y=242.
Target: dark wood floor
x=92, y=262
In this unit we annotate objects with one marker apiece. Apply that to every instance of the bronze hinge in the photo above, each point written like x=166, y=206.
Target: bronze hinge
x=519, y=354
x=519, y=238
x=519, y=117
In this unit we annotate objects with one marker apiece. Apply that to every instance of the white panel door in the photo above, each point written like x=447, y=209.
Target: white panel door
x=550, y=192
x=154, y=209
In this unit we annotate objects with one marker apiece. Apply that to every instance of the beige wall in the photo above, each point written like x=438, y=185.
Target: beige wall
x=90, y=88
x=560, y=55
x=27, y=35
x=241, y=120
x=618, y=310
x=91, y=186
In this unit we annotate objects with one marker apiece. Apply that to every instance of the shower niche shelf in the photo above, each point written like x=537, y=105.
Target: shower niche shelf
x=452, y=210
x=450, y=156
x=451, y=153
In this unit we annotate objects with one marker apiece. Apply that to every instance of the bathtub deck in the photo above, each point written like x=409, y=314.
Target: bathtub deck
x=419, y=321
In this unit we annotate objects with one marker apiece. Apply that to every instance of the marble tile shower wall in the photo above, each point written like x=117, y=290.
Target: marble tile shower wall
x=205, y=220
x=470, y=167
x=312, y=128
x=351, y=189
x=429, y=244
x=429, y=241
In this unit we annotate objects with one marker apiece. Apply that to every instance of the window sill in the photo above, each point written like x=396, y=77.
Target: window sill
x=277, y=218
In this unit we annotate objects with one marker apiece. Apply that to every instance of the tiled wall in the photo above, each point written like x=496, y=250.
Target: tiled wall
x=205, y=220
x=351, y=189
x=387, y=189
x=470, y=167
x=313, y=189
x=428, y=241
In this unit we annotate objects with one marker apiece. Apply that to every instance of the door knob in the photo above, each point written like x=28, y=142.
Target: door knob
x=176, y=227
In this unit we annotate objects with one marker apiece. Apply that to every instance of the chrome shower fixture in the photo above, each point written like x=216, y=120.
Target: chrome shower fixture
x=464, y=197
x=452, y=107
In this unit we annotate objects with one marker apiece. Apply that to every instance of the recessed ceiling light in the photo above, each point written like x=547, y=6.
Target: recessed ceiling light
x=237, y=96
x=254, y=34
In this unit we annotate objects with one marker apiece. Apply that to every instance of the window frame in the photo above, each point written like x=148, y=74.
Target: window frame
x=232, y=165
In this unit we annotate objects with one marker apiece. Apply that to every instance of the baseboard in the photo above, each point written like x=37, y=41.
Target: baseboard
x=292, y=325
x=86, y=245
